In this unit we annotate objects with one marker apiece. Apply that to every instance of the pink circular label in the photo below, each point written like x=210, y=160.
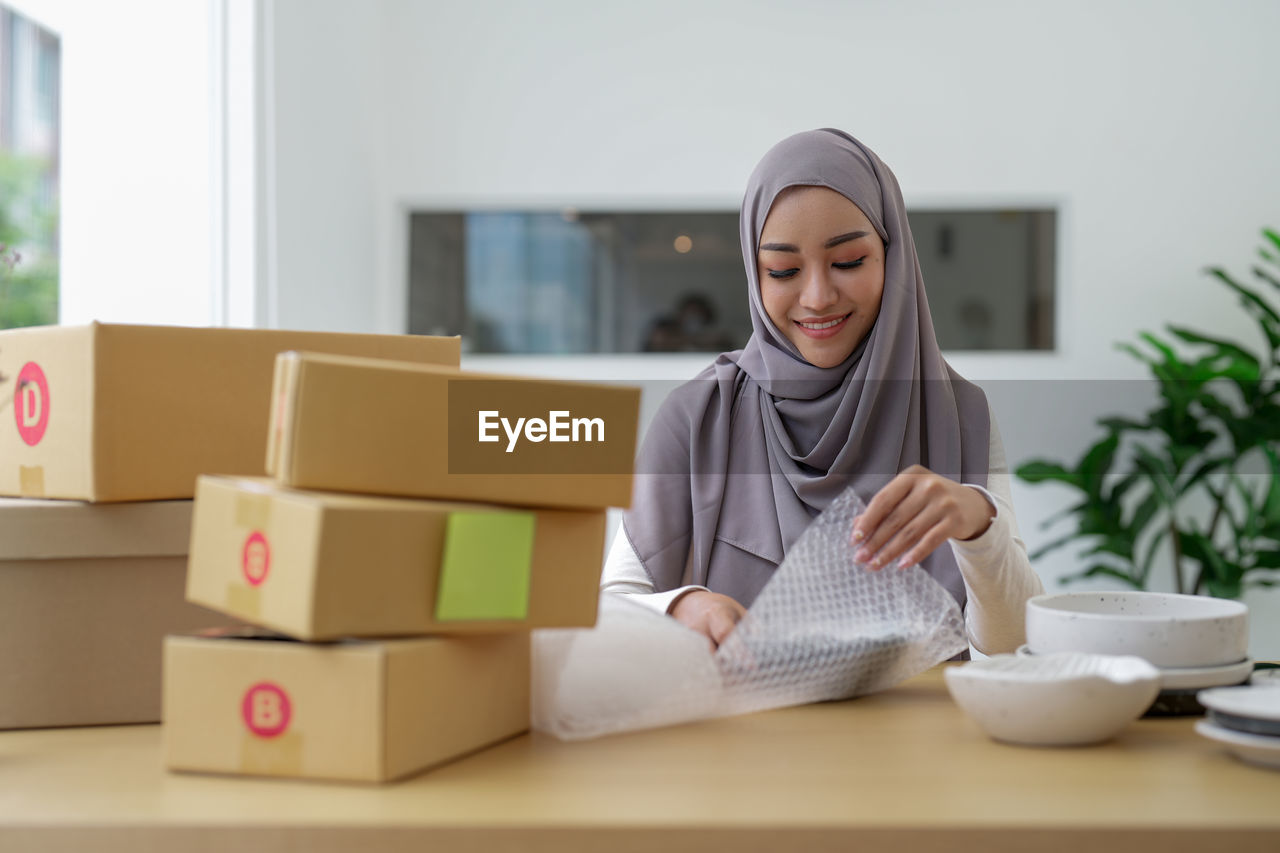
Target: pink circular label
x=266, y=709
x=31, y=403
x=255, y=559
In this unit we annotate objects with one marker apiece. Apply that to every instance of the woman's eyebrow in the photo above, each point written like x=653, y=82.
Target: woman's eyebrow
x=844, y=238
x=834, y=241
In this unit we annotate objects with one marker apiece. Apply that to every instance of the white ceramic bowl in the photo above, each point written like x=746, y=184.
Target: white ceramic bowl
x=1061, y=699
x=1166, y=629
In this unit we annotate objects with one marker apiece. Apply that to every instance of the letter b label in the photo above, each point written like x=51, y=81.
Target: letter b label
x=266, y=709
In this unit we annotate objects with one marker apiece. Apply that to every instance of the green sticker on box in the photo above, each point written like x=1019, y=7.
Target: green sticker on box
x=484, y=573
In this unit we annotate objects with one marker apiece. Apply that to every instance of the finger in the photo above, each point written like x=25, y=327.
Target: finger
x=904, y=514
x=929, y=543
x=881, y=505
x=913, y=532
x=721, y=625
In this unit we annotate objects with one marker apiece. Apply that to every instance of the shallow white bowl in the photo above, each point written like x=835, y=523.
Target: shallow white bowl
x=1166, y=629
x=1060, y=699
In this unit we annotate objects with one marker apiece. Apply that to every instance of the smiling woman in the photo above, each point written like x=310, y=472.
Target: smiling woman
x=841, y=386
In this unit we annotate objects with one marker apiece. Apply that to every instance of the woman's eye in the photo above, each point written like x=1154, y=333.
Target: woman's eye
x=783, y=273
x=848, y=265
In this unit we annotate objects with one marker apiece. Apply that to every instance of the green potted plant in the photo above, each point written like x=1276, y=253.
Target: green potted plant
x=1198, y=478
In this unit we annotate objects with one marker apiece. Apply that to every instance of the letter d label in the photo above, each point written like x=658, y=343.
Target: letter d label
x=31, y=403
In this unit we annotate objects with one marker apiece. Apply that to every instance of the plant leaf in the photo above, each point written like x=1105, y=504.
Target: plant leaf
x=1220, y=344
x=1040, y=471
x=1273, y=236
x=1220, y=573
x=1100, y=570
x=1144, y=513
x=1271, y=504
x=1266, y=316
x=1202, y=470
x=1096, y=463
x=1061, y=514
x=1157, y=469
x=1248, y=295
x=1121, y=424
x=1055, y=544
x=1224, y=589
x=1267, y=560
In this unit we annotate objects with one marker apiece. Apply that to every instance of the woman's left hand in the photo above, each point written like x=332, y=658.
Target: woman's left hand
x=914, y=514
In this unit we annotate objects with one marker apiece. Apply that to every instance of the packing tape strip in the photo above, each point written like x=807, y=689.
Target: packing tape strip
x=244, y=601
x=253, y=511
x=277, y=756
x=31, y=481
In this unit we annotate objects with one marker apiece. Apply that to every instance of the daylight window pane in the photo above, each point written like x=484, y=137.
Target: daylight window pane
x=30, y=58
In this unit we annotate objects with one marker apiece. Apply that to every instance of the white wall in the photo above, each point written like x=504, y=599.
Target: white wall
x=330, y=107
x=1145, y=122
x=135, y=203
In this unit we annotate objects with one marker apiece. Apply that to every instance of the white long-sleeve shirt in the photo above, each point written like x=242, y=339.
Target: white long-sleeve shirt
x=997, y=573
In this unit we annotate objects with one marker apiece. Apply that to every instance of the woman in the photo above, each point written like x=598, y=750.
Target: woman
x=841, y=384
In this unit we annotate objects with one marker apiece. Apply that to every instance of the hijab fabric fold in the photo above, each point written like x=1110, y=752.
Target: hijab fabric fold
x=739, y=460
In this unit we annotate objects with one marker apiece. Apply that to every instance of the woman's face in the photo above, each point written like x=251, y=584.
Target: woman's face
x=821, y=267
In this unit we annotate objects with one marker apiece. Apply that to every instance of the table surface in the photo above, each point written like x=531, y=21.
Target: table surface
x=903, y=769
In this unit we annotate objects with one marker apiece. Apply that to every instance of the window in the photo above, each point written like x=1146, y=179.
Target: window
x=623, y=282
x=29, y=127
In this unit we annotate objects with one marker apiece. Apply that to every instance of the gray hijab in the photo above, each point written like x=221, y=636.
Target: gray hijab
x=739, y=460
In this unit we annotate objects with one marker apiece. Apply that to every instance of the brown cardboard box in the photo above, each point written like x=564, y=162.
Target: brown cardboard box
x=120, y=413
x=381, y=427
x=322, y=565
x=87, y=594
x=356, y=710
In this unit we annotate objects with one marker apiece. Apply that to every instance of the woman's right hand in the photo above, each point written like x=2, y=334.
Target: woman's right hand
x=709, y=613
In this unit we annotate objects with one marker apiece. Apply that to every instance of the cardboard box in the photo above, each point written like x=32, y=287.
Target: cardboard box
x=120, y=413
x=356, y=710
x=381, y=427
x=322, y=565
x=87, y=594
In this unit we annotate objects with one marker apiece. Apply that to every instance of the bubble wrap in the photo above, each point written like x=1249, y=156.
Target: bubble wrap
x=823, y=628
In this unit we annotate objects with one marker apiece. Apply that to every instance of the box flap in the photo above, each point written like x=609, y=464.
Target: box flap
x=32, y=529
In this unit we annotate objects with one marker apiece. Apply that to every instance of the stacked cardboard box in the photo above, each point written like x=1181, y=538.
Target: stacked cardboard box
x=106, y=430
x=392, y=520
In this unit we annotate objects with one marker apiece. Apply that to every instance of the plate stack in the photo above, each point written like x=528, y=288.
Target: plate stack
x=1196, y=642
x=1246, y=720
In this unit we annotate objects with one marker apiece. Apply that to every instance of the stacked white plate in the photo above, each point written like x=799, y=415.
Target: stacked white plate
x=1246, y=720
x=1191, y=677
x=1194, y=641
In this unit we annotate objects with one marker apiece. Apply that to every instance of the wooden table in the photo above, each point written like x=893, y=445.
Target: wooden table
x=903, y=770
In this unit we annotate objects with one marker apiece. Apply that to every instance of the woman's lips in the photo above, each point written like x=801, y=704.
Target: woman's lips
x=825, y=326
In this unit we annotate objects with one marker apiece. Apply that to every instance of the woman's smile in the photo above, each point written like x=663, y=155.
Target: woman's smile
x=823, y=327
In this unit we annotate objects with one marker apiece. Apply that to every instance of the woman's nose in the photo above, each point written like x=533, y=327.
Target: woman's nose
x=818, y=292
